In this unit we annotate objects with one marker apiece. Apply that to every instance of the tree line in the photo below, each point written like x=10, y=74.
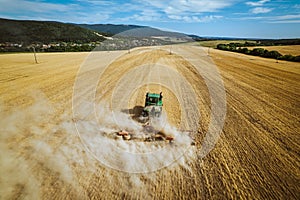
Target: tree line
x=242, y=48
x=39, y=48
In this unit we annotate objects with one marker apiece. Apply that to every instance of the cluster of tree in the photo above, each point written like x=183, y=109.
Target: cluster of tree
x=13, y=49
x=61, y=47
x=279, y=42
x=240, y=48
x=68, y=48
x=234, y=45
x=265, y=43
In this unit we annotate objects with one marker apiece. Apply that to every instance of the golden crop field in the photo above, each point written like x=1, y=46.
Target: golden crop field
x=58, y=120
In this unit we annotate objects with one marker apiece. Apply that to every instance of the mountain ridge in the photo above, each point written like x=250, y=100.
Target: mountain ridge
x=35, y=31
x=131, y=30
x=30, y=31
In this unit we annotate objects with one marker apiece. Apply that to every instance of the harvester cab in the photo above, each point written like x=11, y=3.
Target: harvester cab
x=153, y=105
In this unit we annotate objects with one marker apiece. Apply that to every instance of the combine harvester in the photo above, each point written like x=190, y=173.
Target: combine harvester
x=151, y=115
x=153, y=106
x=152, y=122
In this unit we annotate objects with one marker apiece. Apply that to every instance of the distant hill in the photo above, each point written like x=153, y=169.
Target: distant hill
x=29, y=31
x=50, y=36
x=132, y=30
x=109, y=28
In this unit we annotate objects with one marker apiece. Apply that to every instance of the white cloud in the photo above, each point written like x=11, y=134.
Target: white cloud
x=184, y=10
x=104, y=11
x=285, y=22
x=259, y=6
x=33, y=6
x=179, y=10
x=191, y=19
x=259, y=10
x=41, y=10
x=287, y=17
x=276, y=19
x=171, y=7
x=257, y=3
x=146, y=15
x=97, y=2
x=284, y=19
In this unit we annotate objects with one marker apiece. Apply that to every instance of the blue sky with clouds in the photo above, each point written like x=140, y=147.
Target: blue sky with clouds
x=228, y=18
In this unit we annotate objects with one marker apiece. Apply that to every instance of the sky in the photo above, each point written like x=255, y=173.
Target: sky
x=217, y=18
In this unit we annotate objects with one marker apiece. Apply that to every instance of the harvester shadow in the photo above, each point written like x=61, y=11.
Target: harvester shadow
x=134, y=112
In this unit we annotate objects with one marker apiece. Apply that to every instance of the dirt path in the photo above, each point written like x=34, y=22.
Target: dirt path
x=256, y=155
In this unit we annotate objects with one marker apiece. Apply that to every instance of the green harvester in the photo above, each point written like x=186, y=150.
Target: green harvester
x=153, y=105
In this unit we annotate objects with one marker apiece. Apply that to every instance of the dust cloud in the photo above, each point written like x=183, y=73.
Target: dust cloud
x=40, y=144
x=135, y=155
